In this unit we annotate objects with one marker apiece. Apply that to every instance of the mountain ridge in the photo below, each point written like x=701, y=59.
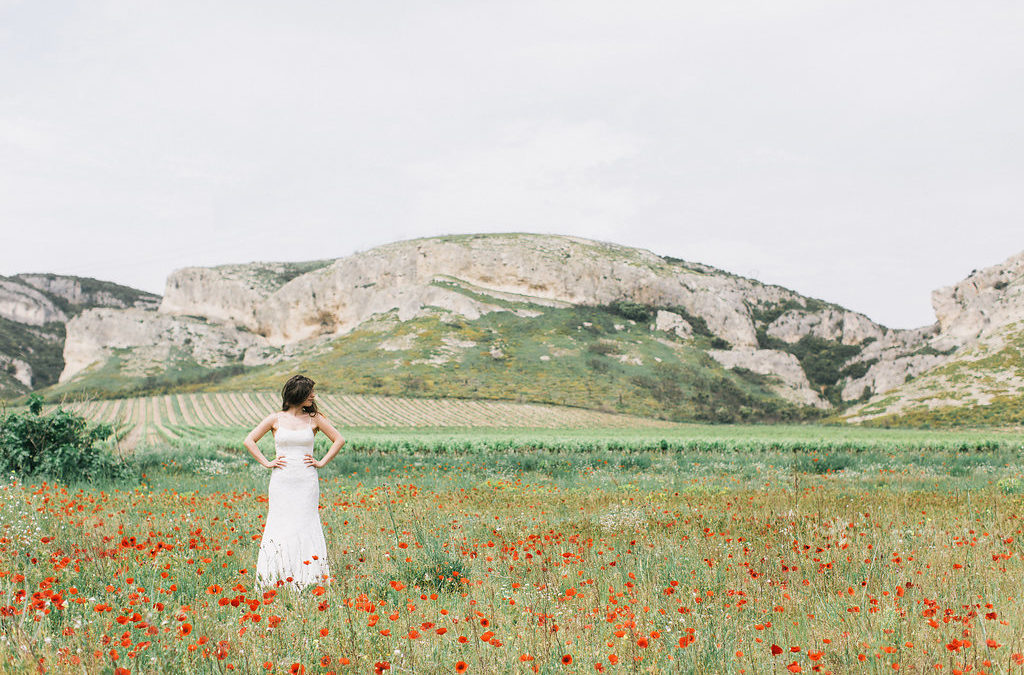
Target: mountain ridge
x=657, y=325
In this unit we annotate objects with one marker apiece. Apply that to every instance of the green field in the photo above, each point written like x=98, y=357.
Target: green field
x=671, y=548
x=723, y=549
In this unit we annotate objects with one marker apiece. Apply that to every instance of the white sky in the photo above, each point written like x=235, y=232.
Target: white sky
x=864, y=152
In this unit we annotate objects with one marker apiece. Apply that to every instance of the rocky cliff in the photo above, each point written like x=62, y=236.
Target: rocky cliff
x=295, y=307
x=411, y=277
x=34, y=309
x=335, y=298
x=774, y=341
x=966, y=368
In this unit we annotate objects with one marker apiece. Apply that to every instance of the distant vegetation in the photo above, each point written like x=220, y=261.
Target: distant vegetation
x=41, y=347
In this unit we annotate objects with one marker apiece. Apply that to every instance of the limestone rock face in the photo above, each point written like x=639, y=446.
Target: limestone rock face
x=793, y=384
x=22, y=371
x=229, y=294
x=409, y=276
x=986, y=300
x=965, y=359
x=71, y=289
x=885, y=376
x=24, y=304
x=849, y=328
x=94, y=335
x=672, y=322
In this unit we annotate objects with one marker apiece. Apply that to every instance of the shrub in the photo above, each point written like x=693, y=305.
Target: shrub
x=632, y=310
x=60, y=446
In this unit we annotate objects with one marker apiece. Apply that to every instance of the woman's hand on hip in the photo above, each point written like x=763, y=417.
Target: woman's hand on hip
x=278, y=463
x=311, y=461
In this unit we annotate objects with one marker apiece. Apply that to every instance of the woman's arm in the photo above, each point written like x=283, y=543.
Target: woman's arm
x=336, y=442
x=256, y=434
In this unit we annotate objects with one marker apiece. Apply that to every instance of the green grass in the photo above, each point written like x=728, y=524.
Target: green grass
x=580, y=346
x=727, y=438
x=179, y=373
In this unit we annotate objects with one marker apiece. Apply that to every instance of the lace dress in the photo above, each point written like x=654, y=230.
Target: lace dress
x=293, y=548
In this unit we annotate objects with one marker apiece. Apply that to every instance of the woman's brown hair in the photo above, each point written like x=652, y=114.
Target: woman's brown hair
x=295, y=392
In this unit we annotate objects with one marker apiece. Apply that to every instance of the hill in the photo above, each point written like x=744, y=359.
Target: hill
x=554, y=320
x=517, y=317
x=969, y=370
x=34, y=310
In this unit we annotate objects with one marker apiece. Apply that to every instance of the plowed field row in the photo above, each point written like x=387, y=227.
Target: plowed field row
x=149, y=419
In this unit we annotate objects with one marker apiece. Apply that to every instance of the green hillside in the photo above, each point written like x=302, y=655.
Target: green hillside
x=588, y=357
x=41, y=347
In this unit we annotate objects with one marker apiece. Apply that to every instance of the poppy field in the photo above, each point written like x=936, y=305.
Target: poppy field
x=548, y=555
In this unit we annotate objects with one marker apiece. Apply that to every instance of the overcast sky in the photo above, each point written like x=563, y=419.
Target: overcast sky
x=863, y=152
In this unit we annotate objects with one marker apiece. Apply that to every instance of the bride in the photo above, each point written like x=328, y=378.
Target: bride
x=293, y=549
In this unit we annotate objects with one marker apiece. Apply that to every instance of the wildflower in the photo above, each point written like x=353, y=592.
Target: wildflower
x=566, y=659
x=461, y=667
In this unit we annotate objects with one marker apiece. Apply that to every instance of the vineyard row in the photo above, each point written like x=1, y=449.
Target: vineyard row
x=155, y=417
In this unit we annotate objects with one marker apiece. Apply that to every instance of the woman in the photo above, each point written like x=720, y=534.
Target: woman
x=293, y=549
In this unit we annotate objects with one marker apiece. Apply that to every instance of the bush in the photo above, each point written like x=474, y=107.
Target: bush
x=632, y=311
x=60, y=446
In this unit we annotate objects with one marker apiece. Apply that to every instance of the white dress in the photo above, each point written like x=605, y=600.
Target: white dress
x=293, y=547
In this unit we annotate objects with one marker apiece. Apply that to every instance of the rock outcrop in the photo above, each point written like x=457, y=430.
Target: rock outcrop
x=85, y=293
x=792, y=382
x=967, y=358
x=33, y=311
x=672, y=322
x=848, y=328
x=984, y=301
x=19, y=370
x=24, y=304
x=334, y=299
x=97, y=334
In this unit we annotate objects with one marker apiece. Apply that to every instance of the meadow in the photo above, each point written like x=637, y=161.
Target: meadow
x=690, y=549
